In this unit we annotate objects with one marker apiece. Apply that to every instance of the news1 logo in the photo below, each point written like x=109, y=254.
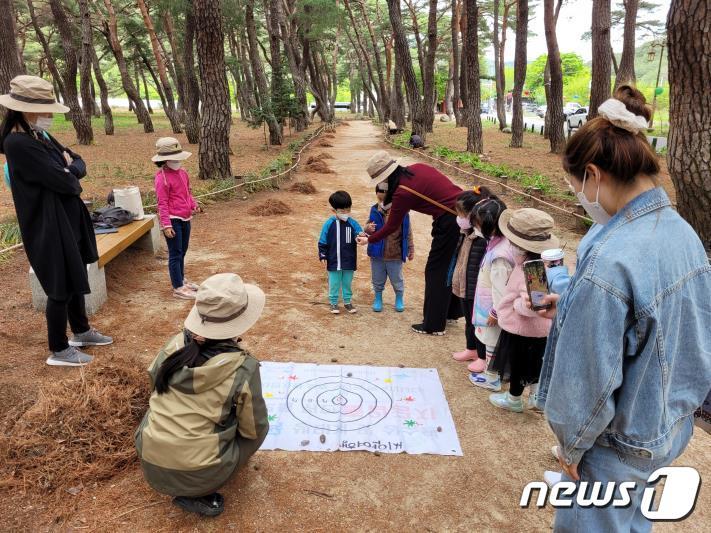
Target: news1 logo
x=676, y=500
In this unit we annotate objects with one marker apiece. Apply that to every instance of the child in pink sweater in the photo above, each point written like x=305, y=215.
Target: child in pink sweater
x=176, y=206
x=523, y=332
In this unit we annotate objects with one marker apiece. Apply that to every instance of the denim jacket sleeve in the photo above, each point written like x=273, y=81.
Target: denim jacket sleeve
x=592, y=360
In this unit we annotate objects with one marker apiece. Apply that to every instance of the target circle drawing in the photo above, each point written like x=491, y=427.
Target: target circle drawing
x=334, y=403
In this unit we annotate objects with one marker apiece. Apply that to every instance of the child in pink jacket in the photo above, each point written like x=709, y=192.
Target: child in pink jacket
x=176, y=206
x=523, y=332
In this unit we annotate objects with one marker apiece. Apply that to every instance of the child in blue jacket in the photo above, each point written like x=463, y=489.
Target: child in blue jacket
x=337, y=250
x=388, y=255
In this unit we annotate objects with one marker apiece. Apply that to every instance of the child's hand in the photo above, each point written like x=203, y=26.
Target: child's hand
x=324, y=262
x=370, y=227
x=411, y=256
x=169, y=232
x=491, y=321
x=362, y=240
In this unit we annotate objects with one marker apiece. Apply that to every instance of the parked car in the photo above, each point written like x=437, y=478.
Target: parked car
x=577, y=118
x=541, y=111
x=485, y=109
x=570, y=108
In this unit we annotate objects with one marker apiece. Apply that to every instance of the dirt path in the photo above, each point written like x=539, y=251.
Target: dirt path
x=479, y=491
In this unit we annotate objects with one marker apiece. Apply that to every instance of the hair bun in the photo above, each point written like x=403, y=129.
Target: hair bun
x=634, y=101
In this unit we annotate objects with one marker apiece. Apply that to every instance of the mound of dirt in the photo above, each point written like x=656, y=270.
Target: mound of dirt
x=80, y=430
x=318, y=167
x=319, y=157
x=324, y=143
x=303, y=187
x=269, y=208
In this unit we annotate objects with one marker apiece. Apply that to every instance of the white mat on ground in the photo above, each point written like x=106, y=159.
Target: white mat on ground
x=338, y=407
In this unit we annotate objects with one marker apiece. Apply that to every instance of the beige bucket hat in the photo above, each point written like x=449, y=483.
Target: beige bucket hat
x=529, y=229
x=31, y=94
x=380, y=166
x=225, y=307
x=169, y=149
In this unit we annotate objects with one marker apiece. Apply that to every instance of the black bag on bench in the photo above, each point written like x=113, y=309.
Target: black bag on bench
x=113, y=216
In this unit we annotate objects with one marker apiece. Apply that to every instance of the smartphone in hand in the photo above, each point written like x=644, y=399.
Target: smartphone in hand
x=536, y=283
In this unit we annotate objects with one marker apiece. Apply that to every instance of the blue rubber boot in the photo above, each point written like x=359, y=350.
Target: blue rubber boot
x=378, y=302
x=399, y=302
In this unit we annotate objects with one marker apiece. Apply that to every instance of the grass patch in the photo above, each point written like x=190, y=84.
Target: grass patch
x=526, y=180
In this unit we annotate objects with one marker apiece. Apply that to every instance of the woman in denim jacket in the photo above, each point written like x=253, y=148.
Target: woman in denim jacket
x=628, y=359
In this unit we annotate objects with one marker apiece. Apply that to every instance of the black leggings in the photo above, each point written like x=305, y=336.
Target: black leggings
x=58, y=311
x=445, y=235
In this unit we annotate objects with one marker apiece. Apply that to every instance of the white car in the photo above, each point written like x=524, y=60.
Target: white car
x=570, y=108
x=578, y=118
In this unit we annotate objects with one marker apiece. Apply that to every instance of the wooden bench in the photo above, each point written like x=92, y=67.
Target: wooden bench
x=143, y=234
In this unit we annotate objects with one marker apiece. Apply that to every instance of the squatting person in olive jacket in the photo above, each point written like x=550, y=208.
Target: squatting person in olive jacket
x=207, y=415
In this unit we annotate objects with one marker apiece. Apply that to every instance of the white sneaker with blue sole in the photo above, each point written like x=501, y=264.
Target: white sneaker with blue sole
x=485, y=381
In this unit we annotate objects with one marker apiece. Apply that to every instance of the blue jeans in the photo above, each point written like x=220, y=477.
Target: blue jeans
x=602, y=463
x=382, y=270
x=177, y=248
x=340, y=280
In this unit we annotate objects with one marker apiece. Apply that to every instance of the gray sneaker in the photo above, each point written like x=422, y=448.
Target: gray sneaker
x=69, y=357
x=349, y=307
x=90, y=338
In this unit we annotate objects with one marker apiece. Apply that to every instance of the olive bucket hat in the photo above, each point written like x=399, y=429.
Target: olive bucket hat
x=169, y=149
x=529, y=229
x=225, y=307
x=31, y=94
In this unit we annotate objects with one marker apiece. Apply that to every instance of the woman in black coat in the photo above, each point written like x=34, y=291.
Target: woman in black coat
x=56, y=227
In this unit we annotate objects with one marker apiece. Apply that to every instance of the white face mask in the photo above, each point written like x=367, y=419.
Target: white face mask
x=385, y=207
x=343, y=216
x=175, y=165
x=43, y=123
x=594, y=209
x=463, y=223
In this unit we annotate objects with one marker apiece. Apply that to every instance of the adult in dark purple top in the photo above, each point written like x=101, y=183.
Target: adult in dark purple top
x=433, y=188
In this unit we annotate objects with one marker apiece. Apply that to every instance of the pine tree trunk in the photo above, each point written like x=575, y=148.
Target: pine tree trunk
x=402, y=54
x=383, y=94
x=216, y=110
x=519, y=73
x=498, y=73
x=449, y=90
x=258, y=70
x=94, y=105
x=601, y=60
x=179, y=66
x=297, y=64
x=104, y=93
x=547, y=91
x=475, y=142
x=87, y=47
x=192, y=88
x=81, y=123
x=456, y=61
x=689, y=155
x=111, y=33
x=51, y=65
x=625, y=72
x=501, y=65
x=9, y=60
x=167, y=90
x=276, y=136
x=463, y=78
x=141, y=78
x=555, y=94
x=428, y=75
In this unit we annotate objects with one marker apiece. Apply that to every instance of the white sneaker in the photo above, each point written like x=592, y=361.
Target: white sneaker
x=552, y=478
x=556, y=453
x=184, y=293
x=485, y=382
